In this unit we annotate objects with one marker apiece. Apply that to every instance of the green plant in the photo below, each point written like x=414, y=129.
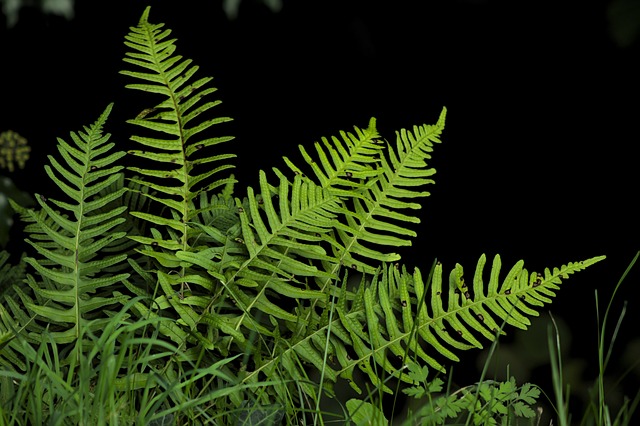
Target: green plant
x=484, y=403
x=235, y=309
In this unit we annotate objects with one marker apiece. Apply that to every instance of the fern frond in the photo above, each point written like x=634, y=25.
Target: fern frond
x=378, y=217
x=266, y=256
x=347, y=162
x=377, y=184
x=399, y=316
x=180, y=167
x=70, y=285
x=178, y=147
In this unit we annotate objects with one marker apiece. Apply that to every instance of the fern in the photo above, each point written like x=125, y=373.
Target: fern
x=375, y=187
x=171, y=77
x=70, y=288
x=258, y=282
x=405, y=319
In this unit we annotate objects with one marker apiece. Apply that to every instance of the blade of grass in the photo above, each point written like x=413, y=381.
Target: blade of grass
x=555, y=355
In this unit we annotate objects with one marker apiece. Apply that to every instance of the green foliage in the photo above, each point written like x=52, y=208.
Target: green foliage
x=204, y=301
x=364, y=413
x=486, y=403
x=74, y=281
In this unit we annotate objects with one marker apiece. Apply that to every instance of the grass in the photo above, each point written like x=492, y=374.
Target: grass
x=119, y=382
x=598, y=411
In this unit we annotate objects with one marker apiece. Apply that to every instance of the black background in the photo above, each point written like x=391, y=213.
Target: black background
x=539, y=155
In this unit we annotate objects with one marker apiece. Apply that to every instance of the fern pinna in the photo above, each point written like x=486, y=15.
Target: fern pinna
x=264, y=275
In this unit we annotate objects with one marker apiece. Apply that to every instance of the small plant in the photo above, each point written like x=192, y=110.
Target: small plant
x=485, y=403
x=154, y=293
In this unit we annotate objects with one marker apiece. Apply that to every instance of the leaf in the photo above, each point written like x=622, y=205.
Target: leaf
x=364, y=413
x=416, y=372
x=72, y=270
x=178, y=122
x=529, y=393
x=376, y=183
x=523, y=410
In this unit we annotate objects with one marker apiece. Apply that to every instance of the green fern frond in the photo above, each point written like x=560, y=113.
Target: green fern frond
x=276, y=264
x=377, y=184
x=345, y=163
x=178, y=148
x=281, y=241
x=378, y=215
x=399, y=316
x=453, y=315
x=180, y=167
x=70, y=285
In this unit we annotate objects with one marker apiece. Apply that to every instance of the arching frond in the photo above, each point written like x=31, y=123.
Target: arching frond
x=401, y=315
x=269, y=258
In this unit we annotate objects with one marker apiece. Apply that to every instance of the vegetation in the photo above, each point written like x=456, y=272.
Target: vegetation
x=154, y=294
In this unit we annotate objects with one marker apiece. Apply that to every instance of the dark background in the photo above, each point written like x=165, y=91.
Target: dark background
x=539, y=155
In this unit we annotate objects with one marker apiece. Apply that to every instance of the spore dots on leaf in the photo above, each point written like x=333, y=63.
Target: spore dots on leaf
x=538, y=280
